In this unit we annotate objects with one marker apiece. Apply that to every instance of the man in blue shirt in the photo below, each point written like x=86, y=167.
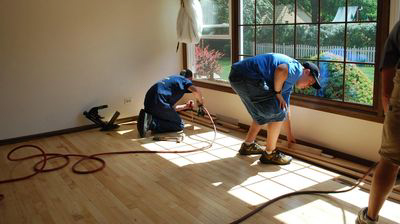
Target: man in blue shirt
x=388, y=167
x=264, y=84
x=159, y=114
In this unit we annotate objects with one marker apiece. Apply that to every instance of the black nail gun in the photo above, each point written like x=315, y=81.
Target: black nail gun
x=94, y=116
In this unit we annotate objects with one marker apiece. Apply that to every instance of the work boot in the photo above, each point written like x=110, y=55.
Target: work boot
x=249, y=149
x=143, y=123
x=362, y=217
x=276, y=157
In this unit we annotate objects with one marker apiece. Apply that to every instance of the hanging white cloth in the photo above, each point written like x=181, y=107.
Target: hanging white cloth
x=189, y=24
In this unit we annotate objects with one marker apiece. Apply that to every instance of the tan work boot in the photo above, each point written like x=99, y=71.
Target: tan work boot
x=276, y=157
x=250, y=149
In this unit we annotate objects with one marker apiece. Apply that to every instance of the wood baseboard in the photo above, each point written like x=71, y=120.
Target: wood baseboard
x=59, y=132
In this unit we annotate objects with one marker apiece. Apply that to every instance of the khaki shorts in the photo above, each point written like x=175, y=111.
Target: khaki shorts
x=390, y=148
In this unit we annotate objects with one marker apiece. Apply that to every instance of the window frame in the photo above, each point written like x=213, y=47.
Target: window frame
x=365, y=112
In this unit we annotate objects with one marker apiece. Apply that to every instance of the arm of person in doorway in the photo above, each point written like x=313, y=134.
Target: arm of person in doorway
x=387, y=86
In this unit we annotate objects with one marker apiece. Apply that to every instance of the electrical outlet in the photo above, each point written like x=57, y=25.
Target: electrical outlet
x=127, y=100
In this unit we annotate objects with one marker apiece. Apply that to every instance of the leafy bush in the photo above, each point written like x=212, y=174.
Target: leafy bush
x=207, y=62
x=358, y=87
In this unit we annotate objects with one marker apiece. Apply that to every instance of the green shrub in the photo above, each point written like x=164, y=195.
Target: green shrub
x=358, y=87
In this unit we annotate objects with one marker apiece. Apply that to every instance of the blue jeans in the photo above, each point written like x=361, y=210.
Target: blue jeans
x=164, y=117
x=259, y=99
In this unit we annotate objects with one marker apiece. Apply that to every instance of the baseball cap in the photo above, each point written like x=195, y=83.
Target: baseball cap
x=314, y=70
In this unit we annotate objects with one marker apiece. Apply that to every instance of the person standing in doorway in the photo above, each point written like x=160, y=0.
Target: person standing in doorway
x=388, y=167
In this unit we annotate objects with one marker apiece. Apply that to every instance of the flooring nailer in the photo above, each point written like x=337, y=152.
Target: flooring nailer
x=94, y=116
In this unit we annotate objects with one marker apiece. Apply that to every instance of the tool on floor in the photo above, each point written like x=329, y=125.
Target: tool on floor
x=94, y=116
x=178, y=139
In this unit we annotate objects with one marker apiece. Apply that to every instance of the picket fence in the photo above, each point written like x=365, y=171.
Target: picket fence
x=366, y=54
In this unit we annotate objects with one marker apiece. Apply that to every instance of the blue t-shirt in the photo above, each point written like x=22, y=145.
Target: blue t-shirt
x=263, y=66
x=167, y=91
x=391, y=54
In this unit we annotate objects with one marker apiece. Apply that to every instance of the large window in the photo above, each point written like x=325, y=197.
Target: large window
x=343, y=37
x=211, y=58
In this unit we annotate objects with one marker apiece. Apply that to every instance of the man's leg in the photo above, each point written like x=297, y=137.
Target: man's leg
x=165, y=120
x=271, y=155
x=249, y=146
x=253, y=132
x=382, y=184
x=274, y=129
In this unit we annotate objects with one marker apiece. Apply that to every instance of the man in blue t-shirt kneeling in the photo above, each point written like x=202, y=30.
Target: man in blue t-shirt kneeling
x=264, y=84
x=159, y=114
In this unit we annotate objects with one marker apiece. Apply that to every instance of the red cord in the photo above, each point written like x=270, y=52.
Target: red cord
x=39, y=167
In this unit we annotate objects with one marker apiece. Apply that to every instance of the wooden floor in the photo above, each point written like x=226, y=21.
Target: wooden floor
x=214, y=186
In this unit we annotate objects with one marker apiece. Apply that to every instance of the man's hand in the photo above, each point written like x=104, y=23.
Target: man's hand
x=282, y=102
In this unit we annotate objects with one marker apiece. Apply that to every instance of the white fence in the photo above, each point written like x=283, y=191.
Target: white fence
x=366, y=54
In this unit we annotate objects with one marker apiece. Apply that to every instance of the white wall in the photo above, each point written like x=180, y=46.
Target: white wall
x=59, y=58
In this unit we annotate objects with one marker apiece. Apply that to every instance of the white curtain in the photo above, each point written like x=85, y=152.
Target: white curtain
x=190, y=22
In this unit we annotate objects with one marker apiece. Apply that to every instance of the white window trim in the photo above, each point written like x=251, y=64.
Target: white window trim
x=190, y=48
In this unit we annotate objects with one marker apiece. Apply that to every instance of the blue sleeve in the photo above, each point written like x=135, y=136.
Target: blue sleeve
x=391, y=53
x=186, y=83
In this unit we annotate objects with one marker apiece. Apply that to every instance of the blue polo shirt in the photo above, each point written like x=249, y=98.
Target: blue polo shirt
x=167, y=91
x=263, y=66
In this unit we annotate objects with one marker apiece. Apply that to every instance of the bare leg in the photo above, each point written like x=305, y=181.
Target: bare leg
x=382, y=184
x=274, y=129
x=253, y=132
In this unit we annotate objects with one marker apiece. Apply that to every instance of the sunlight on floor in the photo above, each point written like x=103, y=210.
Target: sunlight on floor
x=221, y=148
x=274, y=181
x=313, y=212
x=357, y=197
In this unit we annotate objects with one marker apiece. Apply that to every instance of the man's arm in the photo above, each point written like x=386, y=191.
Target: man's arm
x=197, y=94
x=387, y=85
x=288, y=129
x=280, y=76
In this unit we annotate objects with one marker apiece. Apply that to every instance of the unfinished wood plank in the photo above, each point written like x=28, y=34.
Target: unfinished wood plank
x=208, y=124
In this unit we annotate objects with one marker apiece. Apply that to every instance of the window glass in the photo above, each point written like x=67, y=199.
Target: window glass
x=211, y=58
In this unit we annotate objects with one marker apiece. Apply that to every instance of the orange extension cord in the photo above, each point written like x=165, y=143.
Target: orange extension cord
x=40, y=167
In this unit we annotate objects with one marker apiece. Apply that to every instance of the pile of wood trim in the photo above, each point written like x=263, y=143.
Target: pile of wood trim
x=220, y=125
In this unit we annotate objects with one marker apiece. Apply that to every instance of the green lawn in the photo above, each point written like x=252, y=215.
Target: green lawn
x=369, y=71
x=225, y=67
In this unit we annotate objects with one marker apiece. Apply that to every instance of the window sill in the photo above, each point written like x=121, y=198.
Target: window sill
x=349, y=110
